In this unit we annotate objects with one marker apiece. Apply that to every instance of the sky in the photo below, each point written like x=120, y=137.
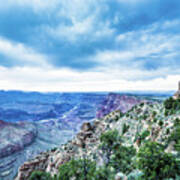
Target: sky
x=89, y=45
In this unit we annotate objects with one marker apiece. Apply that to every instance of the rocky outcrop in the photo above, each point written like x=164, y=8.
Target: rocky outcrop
x=40, y=163
x=116, y=102
x=15, y=136
x=87, y=139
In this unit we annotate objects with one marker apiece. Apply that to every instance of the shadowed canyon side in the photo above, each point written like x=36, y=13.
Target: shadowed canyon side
x=15, y=137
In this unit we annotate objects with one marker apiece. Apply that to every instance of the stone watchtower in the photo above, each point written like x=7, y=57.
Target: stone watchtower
x=177, y=94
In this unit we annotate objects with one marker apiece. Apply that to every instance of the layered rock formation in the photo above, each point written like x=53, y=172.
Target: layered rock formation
x=116, y=102
x=15, y=136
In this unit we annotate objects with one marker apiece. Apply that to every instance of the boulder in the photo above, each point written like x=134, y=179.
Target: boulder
x=86, y=126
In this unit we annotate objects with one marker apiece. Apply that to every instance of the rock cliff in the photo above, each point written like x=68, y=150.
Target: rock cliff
x=116, y=102
x=15, y=136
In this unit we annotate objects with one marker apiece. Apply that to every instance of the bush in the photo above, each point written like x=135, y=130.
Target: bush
x=116, y=118
x=168, y=103
x=155, y=120
x=104, y=173
x=167, y=131
x=166, y=113
x=109, y=140
x=121, y=114
x=135, y=175
x=141, y=137
x=54, y=149
x=118, y=156
x=141, y=104
x=145, y=117
x=125, y=128
x=145, y=134
x=171, y=106
x=82, y=169
x=161, y=123
x=122, y=159
x=177, y=122
x=154, y=113
x=155, y=163
x=175, y=135
x=39, y=175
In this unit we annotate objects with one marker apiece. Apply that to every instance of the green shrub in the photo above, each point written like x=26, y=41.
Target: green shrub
x=145, y=116
x=166, y=113
x=155, y=163
x=109, y=140
x=168, y=103
x=154, y=113
x=40, y=175
x=155, y=120
x=54, y=149
x=125, y=128
x=121, y=114
x=121, y=159
x=141, y=104
x=175, y=136
x=167, y=131
x=145, y=134
x=104, y=173
x=161, y=123
x=82, y=169
x=116, y=118
x=176, y=122
x=118, y=156
x=135, y=175
x=171, y=106
x=141, y=137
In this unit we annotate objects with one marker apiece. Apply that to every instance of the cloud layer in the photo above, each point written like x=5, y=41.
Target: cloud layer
x=89, y=45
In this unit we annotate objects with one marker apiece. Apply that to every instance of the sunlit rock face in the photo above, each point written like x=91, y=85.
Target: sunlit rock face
x=15, y=136
x=115, y=102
